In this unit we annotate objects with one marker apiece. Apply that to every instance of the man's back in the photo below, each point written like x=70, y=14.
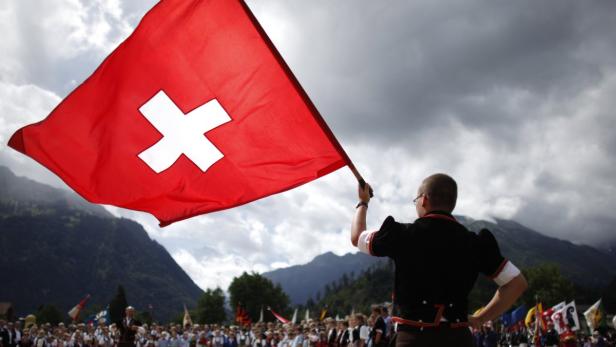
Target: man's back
x=432, y=260
x=437, y=262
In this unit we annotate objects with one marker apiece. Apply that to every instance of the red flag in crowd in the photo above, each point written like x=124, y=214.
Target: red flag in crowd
x=241, y=316
x=75, y=311
x=279, y=317
x=547, y=314
x=195, y=112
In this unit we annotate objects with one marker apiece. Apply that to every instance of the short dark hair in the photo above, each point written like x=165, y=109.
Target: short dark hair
x=442, y=191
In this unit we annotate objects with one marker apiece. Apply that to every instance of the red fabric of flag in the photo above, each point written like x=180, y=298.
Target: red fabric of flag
x=75, y=311
x=279, y=317
x=195, y=112
x=242, y=317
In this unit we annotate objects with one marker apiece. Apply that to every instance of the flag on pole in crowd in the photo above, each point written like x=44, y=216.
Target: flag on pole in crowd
x=241, y=316
x=506, y=319
x=195, y=112
x=29, y=321
x=595, y=316
x=534, y=316
x=261, y=315
x=186, y=320
x=547, y=314
x=558, y=318
x=571, y=316
x=518, y=314
x=75, y=311
x=278, y=316
x=534, y=322
x=307, y=315
x=515, y=316
x=323, y=313
x=294, y=319
x=538, y=324
x=530, y=317
x=101, y=316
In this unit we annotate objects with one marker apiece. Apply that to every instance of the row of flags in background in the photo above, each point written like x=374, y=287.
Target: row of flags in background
x=242, y=317
x=564, y=316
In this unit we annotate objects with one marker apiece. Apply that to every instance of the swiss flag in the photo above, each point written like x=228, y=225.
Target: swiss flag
x=195, y=112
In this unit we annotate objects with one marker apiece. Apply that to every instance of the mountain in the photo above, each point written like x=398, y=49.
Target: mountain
x=301, y=282
x=55, y=248
x=610, y=247
x=584, y=265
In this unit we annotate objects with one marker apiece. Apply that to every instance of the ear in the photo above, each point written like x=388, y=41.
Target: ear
x=425, y=202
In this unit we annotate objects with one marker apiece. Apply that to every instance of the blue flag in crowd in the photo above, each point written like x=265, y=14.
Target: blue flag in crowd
x=511, y=318
x=519, y=314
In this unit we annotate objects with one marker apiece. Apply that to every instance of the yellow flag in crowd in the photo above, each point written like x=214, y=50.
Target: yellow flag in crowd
x=323, y=313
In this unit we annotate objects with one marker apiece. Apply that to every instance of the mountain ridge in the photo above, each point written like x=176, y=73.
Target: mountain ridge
x=55, y=247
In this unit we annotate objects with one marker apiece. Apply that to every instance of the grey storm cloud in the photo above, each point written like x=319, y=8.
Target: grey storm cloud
x=400, y=73
x=399, y=68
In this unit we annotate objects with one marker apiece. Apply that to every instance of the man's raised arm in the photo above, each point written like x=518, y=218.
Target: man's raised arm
x=359, y=220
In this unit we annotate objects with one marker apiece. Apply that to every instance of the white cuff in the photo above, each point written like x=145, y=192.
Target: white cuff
x=365, y=241
x=508, y=273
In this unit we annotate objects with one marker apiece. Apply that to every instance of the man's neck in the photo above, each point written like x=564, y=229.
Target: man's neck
x=438, y=212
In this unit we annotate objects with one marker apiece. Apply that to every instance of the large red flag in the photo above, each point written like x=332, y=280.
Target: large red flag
x=195, y=112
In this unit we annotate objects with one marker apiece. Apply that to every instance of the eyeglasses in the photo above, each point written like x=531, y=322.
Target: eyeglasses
x=417, y=198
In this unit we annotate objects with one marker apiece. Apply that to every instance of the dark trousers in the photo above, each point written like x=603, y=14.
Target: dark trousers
x=443, y=336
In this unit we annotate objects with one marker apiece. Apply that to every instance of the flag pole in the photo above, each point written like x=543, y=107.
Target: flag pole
x=298, y=87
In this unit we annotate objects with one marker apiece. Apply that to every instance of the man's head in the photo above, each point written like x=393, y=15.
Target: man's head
x=130, y=312
x=437, y=192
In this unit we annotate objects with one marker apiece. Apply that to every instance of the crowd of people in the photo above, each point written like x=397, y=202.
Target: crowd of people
x=356, y=330
x=490, y=336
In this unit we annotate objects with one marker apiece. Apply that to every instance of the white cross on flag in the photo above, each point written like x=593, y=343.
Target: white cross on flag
x=182, y=134
x=195, y=112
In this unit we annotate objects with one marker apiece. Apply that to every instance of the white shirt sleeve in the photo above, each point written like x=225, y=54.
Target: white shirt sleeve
x=365, y=240
x=508, y=273
x=364, y=332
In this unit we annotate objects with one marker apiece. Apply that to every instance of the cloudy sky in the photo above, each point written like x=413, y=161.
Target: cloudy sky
x=513, y=99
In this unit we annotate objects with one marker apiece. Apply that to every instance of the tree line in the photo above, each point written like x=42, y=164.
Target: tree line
x=255, y=293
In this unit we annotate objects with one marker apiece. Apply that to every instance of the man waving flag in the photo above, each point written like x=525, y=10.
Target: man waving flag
x=195, y=112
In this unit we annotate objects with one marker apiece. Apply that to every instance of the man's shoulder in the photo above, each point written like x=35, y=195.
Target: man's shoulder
x=390, y=224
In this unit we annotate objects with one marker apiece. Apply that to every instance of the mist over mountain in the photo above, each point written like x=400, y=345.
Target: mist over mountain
x=56, y=247
x=23, y=194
